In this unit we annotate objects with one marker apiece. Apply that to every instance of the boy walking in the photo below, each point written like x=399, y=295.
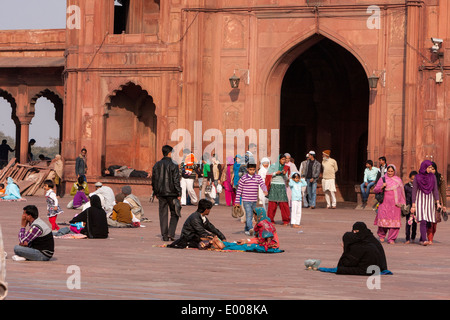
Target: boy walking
x=247, y=190
x=411, y=224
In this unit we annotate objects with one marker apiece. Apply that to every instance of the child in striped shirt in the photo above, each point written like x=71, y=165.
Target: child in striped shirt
x=248, y=189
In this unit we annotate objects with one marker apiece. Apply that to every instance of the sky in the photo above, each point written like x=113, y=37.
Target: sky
x=32, y=14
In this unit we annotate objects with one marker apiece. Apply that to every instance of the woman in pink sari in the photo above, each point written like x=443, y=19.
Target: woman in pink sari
x=388, y=218
x=227, y=178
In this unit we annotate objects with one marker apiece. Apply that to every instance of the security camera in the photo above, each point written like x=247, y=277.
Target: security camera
x=436, y=44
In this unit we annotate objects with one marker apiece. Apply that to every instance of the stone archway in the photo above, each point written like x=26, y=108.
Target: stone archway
x=57, y=103
x=319, y=98
x=130, y=129
x=12, y=102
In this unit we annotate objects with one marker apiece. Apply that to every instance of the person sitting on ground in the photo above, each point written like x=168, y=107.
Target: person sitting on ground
x=121, y=216
x=107, y=198
x=80, y=182
x=197, y=228
x=266, y=235
x=37, y=243
x=94, y=217
x=364, y=234
x=125, y=172
x=2, y=188
x=12, y=191
x=358, y=256
x=75, y=188
x=135, y=204
x=80, y=198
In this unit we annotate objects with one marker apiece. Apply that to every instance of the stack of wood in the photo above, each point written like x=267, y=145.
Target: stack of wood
x=30, y=178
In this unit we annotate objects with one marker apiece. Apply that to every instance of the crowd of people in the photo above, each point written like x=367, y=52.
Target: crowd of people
x=271, y=185
x=259, y=193
x=422, y=201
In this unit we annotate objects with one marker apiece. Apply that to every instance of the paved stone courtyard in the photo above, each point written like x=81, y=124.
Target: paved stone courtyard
x=129, y=265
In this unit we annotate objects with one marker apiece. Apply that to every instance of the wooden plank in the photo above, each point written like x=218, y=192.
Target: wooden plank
x=3, y=172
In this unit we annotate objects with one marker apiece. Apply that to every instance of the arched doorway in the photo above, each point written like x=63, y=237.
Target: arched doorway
x=47, y=123
x=130, y=124
x=9, y=123
x=324, y=105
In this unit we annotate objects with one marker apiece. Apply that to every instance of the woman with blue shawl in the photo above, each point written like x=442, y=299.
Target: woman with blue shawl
x=12, y=191
x=236, y=166
x=266, y=237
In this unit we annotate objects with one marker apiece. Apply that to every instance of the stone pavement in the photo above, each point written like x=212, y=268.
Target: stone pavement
x=128, y=265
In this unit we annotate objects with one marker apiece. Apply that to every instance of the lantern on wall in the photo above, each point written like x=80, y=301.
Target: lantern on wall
x=234, y=81
x=373, y=81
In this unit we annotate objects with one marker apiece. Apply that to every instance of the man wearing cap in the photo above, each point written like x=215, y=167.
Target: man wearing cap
x=311, y=172
x=107, y=197
x=134, y=203
x=330, y=168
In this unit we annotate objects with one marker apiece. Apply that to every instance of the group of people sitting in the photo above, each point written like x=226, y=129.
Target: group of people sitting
x=9, y=192
x=199, y=232
x=100, y=210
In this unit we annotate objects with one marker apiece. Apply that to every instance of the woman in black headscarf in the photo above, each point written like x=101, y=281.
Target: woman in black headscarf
x=358, y=256
x=94, y=217
x=364, y=234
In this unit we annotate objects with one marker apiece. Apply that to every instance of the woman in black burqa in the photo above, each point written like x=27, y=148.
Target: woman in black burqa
x=363, y=233
x=94, y=217
x=361, y=251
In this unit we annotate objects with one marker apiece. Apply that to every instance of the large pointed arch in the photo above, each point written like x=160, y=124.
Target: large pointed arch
x=318, y=96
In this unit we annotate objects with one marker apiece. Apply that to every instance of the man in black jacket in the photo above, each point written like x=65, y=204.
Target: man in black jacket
x=167, y=188
x=197, y=227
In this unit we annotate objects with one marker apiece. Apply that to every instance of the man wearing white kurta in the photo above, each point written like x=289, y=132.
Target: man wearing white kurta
x=330, y=168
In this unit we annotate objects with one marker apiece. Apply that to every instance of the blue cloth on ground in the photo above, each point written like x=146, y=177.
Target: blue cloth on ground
x=334, y=270
x=250, y=248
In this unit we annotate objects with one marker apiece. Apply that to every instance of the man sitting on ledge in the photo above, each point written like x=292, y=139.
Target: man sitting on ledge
x=125, y=172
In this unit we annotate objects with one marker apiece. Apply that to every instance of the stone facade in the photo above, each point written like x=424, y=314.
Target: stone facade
x=122, y=94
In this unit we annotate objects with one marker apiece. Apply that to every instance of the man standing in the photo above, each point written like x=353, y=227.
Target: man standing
x=167, y=188
x=80, y=165
x=188, y=175
x=311, y=174
x=383, y=166
x=4, y=150
x=330, y=168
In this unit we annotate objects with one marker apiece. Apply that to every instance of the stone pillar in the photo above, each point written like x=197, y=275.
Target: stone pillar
x=24, y=136
x=411, y=139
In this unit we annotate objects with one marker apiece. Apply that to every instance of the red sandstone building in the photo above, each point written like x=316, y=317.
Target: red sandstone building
x=123, y=78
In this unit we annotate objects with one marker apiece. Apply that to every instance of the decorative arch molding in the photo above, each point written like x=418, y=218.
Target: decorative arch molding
x=280, y=61
x=53, y=98
x=272, y=74
x=9, y=98
x=120, y=88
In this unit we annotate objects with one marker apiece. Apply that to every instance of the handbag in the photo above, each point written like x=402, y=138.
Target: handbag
x=380, y=196
x=237, y=211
